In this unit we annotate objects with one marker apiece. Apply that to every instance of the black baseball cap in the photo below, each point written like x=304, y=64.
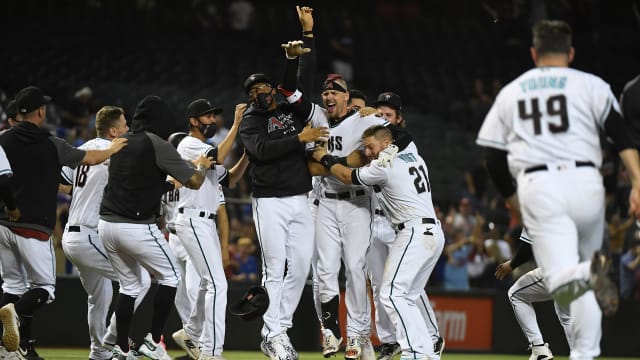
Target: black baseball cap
x=12, y=109
x=390, y=99
x=357, y=94
x=30, y=99
x=255, y=79
x=202, y=107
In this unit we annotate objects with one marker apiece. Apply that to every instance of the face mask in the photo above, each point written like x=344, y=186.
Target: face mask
x=264, y=100
x=207, y=130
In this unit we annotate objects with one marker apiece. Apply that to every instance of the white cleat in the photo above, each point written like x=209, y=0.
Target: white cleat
x=353, y=349
x=190, y=346
x=368, y=353
x=330, y=343
x=540, y=352
x=153, y=350
x=118, y=354
x=10, y=324
x=210, y=357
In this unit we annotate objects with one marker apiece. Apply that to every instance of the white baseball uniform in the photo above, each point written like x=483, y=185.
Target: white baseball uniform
x=196, y=229
x=548, y=121
x=530, y=288
x=83, y=247
x=314, y=201
x=404, y=193
x=343, y=226
x=15, y=283
x=383, y=236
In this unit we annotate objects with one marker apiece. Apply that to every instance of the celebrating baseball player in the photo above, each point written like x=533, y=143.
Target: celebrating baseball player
x=274, y=136
x=543, y=131
x=127, y=226
x=530, y=288
x=80, y=240
x=403, y=189
x=25, y=231
x=195, y=223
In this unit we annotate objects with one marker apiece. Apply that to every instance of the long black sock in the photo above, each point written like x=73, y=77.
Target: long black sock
x=161, y=307
x=330, y=315
x=124, y=314
x=8, y=299
x=28, y=303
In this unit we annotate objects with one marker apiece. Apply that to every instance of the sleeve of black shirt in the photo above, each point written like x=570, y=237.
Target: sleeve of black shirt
x=169, y=160
x=300, y=105
x=67, y=154
x=254, y=137
x=6, y=192
x=401, y=137
x=523, y=254
x=307, y=67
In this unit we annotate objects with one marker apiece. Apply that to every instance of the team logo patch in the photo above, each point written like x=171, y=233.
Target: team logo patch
x=275, y=124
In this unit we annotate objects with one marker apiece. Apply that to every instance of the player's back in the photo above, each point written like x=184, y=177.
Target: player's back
x=406, y=193
x=549, y=114
x=88, y=187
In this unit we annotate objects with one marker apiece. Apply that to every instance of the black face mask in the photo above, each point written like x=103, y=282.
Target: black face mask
x=207, y=130
x=264, y=100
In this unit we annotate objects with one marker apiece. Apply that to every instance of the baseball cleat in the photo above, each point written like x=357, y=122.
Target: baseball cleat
x=274, y=349
x=118, y=354
x=191, y=347
x=389, y=350
x=540, y=352
x=330, y=343
x=153, y=350
x=603, y=287
x=27, y=350
x=6, y=355
x=353, y=349
x=438, y=346
x=10, y=324
x=368, y=353
x=209, y=357
x=284, y=340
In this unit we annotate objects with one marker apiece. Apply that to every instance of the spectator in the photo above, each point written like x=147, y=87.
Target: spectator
x=630, y=271
x=342, y=49
x=456, y=275
x=241, y=16
x=247, y=264
x=464, y=220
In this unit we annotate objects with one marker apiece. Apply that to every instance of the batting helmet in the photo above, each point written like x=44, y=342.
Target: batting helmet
x=175, y=138
x=253, y=303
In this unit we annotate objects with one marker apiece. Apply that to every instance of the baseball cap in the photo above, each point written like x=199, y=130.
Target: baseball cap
x=201, y=107
x=30, y=99
x=357, y=94
x=255, y=79
x=390, y=99
x=11, y=110
x=254, y=303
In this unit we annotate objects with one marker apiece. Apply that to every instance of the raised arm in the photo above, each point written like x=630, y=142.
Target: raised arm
x=226, y=145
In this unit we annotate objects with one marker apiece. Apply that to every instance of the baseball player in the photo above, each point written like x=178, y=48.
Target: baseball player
x=80, y=241
x=530, y=288
x=127, y=226
x=389, y=105
x=25, y=232
x=195, y=222
x=403, y=189
x=274, y=136
x=543, y=131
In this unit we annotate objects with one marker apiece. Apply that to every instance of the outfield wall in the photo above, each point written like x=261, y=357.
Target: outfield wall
x=476, y=321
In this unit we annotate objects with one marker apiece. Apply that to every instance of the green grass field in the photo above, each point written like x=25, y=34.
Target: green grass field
x=70, y=354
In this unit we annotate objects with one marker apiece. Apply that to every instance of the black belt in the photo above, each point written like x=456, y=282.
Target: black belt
x=316, y=202
x=424, y=221
x=545, y=167
x=172, y=229
x=342, y=195
x=73, y=228
x=379, y=212
x=202, y=214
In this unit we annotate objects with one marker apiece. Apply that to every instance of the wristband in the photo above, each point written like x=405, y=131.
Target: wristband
x=343, y=161
x=328, y=161
x=308, y=32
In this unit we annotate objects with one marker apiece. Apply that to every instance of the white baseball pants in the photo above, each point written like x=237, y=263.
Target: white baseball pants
x=285, y=232
x=187, y=292
x=200, y=239
x=343, y=232
x=563, y=210
x=26, y=263
x=528, y=289
x=84, y=249
x=411, y=260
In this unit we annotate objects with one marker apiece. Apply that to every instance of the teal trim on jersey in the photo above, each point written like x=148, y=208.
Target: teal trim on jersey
x=426, y=310
x=164, y=252
x=525, y=239
x=391, y=292
x=95, y=247
x=215, y=289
